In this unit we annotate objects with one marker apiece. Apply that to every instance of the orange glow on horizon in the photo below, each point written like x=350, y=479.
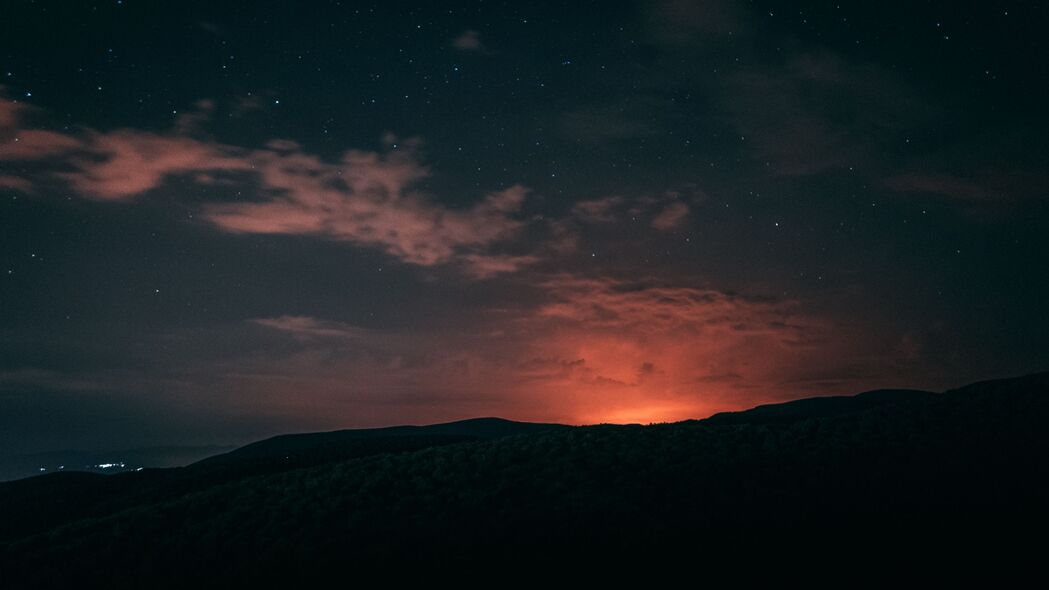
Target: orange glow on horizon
x=642, y=414
x=599, y=351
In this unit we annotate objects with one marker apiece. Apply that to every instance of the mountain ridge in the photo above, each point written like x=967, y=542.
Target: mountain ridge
x=959, y=469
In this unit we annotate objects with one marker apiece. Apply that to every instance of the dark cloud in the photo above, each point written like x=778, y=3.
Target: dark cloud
x=944, y=185
x=692, y=22
x=819, y=113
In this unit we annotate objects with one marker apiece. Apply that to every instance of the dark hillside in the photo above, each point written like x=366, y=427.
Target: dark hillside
x=960, y=474
x=40, y=503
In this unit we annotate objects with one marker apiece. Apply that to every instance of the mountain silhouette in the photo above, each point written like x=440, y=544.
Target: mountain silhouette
x=316, y=442
x=882, y=480
x=39, y=503
x=817, y=407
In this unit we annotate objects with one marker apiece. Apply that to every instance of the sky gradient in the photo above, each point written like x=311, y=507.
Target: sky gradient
x=223, y=221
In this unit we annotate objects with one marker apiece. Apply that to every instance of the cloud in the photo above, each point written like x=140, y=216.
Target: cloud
x=11, y=112
x=35, y=144
x=306, y=327
x=598, y=210
x=246, y=104
x=470, y=40
x=647, y=306
x=590, y=350
x=193, y=121
x=115, y=165
x=16, y=183
x=563, y=236
x=565, y=348
x=364, y=197
x=943, y=185
x=665, y=212
x=693, y=22
x=483, y=266
x=125, y=163
x=20, y=144
x=547, y=368
x=819, y=112
x=587, y=350
x=609, y=349
x=671, y=217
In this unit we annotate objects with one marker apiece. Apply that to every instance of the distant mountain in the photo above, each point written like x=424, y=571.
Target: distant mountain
x=878, y=484
x=37, y=504
x=818, y=407
x=297, y=444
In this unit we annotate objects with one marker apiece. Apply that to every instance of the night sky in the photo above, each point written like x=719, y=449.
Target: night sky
x=225, y=220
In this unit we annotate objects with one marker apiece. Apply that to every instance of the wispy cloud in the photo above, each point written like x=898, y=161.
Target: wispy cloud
x=650, y=306
x=369, y=198
x=485, y=266
x=603, y=210
x=123, y=164
x=366, y=198
x=671, y=217
x=819, y=113
x=663, y=212
x=944, y=185
x=307, y=327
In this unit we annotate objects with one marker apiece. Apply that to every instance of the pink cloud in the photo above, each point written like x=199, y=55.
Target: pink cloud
x=485, y=266
x=598, y=210
x=666, y=211
x=615, y=304
x=671, y=217
x=643, y=350
x=307, y=327
x=114, y=165
x=125, y=163
x=16, y=183
x=364, y=197
x=11, y=112
x=19, y=144
x=35, y=144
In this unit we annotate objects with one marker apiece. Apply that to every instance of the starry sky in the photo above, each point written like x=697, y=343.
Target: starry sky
x=225, y=220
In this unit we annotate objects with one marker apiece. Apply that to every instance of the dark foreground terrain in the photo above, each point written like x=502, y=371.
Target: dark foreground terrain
x=879, y=482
